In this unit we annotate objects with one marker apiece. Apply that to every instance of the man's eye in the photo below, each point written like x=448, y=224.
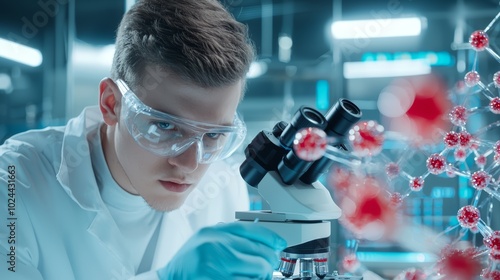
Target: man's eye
x=165, y=125
x=214, y=136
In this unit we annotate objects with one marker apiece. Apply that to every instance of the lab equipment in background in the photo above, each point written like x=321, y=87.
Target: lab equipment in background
x=300, y=206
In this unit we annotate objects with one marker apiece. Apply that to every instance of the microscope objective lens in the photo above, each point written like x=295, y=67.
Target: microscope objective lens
x=287, y=266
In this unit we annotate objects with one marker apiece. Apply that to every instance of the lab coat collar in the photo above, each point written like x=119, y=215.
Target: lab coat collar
x=76, y=162
x=73, y=175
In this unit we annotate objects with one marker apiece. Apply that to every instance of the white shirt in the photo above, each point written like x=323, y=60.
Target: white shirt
x=61, y=225
x=134, y=218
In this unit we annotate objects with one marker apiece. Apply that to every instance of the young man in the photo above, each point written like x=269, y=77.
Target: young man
x=135, y=188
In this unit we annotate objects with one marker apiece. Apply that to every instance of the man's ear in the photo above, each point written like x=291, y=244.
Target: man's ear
x=109, y=100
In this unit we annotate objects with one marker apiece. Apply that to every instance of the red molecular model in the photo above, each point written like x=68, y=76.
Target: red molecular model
x=368, y=188
x=310, y=143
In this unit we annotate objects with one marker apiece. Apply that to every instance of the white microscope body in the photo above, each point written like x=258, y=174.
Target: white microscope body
x=300, y=206
x=299, y=213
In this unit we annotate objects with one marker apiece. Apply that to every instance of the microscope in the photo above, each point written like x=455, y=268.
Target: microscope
x=300, y=206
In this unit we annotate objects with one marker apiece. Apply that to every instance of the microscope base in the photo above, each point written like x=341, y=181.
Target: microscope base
x=308, y=242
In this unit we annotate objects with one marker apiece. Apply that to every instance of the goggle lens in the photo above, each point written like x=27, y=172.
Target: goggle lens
x=168, y=135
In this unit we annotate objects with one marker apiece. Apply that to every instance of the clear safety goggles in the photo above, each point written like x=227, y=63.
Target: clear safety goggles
x=169, y=135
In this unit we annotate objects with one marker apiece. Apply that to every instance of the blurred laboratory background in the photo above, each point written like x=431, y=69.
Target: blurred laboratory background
x=63, y=48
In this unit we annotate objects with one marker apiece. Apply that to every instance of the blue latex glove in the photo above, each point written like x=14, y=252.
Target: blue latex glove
x=227, y=251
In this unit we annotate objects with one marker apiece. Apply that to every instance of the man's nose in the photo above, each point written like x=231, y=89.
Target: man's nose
x=187, y=161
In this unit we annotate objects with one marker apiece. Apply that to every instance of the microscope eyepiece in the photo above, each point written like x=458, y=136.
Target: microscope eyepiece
x=312, y=116
x=304, y=117
x=291, y=167
x=272, y=151
x=263, y=154
x=341, y=117
x=278, y=128
x=349, y=106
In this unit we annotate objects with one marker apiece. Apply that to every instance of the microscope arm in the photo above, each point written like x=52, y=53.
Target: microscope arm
x=303, y=202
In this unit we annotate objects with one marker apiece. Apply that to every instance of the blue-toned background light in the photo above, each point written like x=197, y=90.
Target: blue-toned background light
x=322, y=95
x=432, y=58
x=443, y=192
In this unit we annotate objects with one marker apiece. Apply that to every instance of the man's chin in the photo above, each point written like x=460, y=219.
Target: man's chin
x=165, y=205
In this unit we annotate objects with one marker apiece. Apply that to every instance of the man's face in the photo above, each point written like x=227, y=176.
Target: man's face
x=165, y=182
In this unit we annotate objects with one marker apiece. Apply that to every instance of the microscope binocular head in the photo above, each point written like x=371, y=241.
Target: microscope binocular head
x=300, y=205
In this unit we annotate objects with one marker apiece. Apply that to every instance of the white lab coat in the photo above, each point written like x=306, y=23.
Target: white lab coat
x=59, y=223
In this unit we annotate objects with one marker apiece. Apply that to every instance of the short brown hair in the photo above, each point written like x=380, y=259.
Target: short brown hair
x=198, y=40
